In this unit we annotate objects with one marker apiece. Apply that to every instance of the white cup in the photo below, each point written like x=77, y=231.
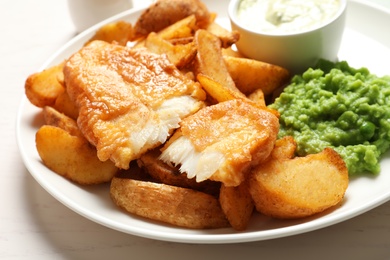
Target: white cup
x=85, y=13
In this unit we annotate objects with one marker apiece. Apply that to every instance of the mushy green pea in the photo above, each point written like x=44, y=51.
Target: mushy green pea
x=341, y=107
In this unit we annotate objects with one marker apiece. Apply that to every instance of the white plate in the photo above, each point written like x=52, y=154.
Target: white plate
x=365, y=44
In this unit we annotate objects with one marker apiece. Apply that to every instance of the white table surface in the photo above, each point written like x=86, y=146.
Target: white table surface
x=33, y=225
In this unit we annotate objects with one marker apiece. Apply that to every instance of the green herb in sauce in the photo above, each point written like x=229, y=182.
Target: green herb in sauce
x=341, y=107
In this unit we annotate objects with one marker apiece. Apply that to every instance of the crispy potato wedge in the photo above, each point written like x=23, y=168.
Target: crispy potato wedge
x=181, y=29
x=232, y=52
x=119, y=32
x=55, y=118
x=284, y=148
x=43, y=88
x=249, y=75
x=228, y=38
x=72, y=156
x=257, y=97
x=299, y=187
x=64, y=105
x=180, y=55
x=218, y=91
x=236, y=203
x=164, y=13
x=184, y=40
x=171, y=175
x=170, y=204
x=210, y=62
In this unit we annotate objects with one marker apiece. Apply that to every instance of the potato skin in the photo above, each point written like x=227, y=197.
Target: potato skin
x=237, y=204
x=72, y=156
x=43, y=88
x=174, y=205
x=299, y=187
x=250, y=75
x=55, y=118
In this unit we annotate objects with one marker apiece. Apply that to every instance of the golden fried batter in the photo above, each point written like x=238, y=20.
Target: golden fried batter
x=221, y=142
x=129, y=100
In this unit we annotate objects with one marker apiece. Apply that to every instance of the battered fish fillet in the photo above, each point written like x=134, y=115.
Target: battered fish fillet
x=222, y=142
x=129, y=100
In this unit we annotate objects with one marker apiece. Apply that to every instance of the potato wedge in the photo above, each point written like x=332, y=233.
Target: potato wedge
x=218, y=91
x=257, y=97
x=174, y=205
x=184, y=40
x=284, y=148
x=64, y=105
x=72, y=156
x=55, y=118
x=249, y=75
x=232, y=52
x=180, y=55
x=43, y=88
x=181, y=29
x=184, y=28
x=228, y=38
x=164, y=13
x=210, y=62
x=119, y=32
x=299, y=187
x=236, y=203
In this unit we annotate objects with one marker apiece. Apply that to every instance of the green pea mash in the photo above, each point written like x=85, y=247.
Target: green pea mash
x=337, y=106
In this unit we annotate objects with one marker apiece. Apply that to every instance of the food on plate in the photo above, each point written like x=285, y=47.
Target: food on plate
x=222, y=142
x=289, y=188
x=181, y=30
x=64, y=105
x=163, y=13
x=250, y=75
x=170, y=175
x=179, y=54
x=237, y=204
x=119, y=32
x=284, y=148
x=227, y=37
x=170, y=204
x=129, y=100
x=177, y=120
x=341, y=107
x=55, y=118
x=209, y=60
x=258, y=97
x=217, y=91
x=42, y=88
x=72, y=156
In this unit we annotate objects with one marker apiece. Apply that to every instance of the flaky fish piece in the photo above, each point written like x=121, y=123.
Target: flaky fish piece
x=223, y=141
x=129, y=100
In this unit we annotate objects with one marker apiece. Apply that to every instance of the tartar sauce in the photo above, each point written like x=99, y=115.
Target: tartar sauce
x=285, y=16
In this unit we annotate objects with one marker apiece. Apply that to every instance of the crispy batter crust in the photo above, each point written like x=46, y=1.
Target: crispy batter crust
x=118, y=91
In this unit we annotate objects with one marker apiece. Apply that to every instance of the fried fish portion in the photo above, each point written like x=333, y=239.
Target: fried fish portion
x=129, y=100
x=221, y=142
